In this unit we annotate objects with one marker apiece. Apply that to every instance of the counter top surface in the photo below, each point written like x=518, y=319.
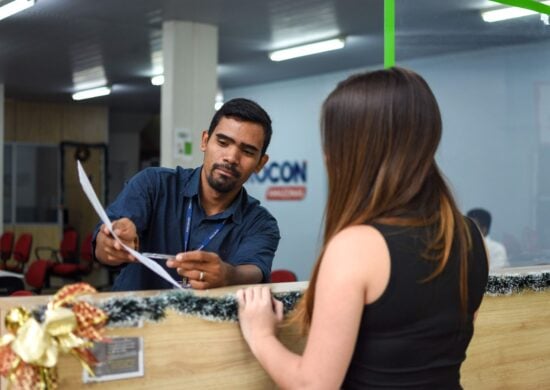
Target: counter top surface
x=521, y=270
x=9, y=302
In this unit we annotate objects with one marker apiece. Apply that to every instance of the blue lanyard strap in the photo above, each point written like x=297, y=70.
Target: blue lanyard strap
x=207, y=240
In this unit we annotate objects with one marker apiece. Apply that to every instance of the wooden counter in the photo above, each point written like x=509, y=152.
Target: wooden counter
x=511, y=344
x=510, y=348
x=180, y=352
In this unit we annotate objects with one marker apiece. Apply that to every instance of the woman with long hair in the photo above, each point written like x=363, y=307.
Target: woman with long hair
x=393, y=295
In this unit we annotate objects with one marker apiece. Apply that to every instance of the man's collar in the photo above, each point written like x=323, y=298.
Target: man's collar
x=235, y=209
x=191, y=188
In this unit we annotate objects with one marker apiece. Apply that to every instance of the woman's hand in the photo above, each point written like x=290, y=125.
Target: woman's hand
x=259, y=313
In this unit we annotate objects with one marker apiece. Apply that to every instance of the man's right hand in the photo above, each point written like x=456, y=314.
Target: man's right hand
x=109, y=251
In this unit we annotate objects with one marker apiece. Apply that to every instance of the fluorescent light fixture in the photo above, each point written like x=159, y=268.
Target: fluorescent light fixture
x=305, y=50
x=91, y=93
x=14, y=7
x=88, y=78
x=158, y=79
x=497, y=15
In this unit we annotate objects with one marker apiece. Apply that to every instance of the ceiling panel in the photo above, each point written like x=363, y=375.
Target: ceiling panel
x=48, y=48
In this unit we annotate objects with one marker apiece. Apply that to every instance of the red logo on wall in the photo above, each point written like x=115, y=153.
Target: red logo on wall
x=285, y=193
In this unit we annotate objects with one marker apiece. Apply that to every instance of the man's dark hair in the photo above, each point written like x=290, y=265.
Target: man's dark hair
x=244, y=110
x=482, y=217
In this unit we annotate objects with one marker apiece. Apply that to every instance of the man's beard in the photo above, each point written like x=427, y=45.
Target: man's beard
x=224, y=183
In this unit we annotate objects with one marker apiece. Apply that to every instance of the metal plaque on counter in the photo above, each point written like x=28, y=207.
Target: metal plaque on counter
x=121, y=358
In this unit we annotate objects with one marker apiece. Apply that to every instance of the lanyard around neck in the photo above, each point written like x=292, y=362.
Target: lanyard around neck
x=187, y=231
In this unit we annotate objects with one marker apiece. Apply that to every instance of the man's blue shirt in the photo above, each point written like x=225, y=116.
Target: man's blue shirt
x=156, y=200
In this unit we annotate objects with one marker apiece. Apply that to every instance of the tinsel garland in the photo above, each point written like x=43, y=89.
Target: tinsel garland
x=127, y=310
x=507, y=284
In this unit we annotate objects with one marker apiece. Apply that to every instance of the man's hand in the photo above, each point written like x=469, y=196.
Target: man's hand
x=109, y=251
x=203, y=269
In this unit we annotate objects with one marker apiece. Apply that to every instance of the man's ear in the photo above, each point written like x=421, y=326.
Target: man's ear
x=204, y=140
x=263, y=160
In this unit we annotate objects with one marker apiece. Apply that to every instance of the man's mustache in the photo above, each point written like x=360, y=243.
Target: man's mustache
x=228, y=167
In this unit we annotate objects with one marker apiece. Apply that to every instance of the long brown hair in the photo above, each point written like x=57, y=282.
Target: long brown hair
x=380, y=131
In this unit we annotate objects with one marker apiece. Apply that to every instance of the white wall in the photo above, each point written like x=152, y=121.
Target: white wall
x=488, y=151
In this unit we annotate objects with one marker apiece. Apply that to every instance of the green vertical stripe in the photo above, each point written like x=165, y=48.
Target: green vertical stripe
x=389, y=33
x=527, y=4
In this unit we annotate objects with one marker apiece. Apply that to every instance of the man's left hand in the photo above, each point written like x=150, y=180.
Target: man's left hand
x=202, y=269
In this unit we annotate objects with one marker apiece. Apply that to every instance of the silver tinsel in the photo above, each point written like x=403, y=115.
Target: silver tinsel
x=123, y=311
x=507, y=284
x=131, y=309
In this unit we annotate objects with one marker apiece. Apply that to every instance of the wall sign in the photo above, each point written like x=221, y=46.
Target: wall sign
x=183, y=144
x=289, y=179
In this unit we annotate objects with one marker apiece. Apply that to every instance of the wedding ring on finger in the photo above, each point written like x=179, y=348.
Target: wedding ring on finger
x=201, y=276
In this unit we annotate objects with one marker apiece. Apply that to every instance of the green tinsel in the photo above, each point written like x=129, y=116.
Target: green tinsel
x=507, y=284
x=125, y=310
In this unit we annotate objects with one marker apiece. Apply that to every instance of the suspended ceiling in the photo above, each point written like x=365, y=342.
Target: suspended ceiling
x=46, y=50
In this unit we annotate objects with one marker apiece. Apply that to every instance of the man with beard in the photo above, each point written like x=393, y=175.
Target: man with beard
x=217, y=233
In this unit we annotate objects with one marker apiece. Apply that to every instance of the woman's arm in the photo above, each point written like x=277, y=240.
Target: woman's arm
x=354, y=270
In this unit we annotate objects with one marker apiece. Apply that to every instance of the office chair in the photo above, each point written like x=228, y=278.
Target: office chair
x=75, y=271
x=283, y=275
x=6, y=247
x=21, y=254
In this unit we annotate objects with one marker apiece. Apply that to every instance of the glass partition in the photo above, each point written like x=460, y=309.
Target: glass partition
x=492, y=81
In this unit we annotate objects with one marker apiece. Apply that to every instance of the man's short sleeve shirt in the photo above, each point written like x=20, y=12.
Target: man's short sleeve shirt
x=157, y=199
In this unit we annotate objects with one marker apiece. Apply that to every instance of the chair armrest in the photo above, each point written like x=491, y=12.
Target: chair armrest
x=53, y=253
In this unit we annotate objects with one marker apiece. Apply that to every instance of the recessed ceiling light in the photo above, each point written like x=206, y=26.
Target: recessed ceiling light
x=305, y=50
x=91, y=93
x=497, y=15
x=158, y=79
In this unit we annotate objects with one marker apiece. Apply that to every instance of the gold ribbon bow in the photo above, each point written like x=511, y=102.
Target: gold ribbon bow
x=29, y=353
x=40, y=344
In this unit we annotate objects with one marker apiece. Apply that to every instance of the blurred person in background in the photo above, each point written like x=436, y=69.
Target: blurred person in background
x=498, y=258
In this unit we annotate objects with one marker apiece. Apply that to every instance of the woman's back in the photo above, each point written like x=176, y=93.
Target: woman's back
x=414, y=335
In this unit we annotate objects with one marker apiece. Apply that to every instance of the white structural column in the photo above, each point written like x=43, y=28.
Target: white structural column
x=190, y=56
x=2, y=154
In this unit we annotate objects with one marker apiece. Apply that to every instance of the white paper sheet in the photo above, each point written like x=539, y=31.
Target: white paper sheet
x=10, y=274
x=90, y=193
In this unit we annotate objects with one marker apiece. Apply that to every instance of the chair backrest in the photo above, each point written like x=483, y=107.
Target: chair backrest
x=68, y=249
x=6, y=245
x=37, y=273
x=283, y=275
x=23, y=246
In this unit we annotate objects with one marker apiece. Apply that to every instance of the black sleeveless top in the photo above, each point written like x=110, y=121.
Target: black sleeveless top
x=414, y=335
